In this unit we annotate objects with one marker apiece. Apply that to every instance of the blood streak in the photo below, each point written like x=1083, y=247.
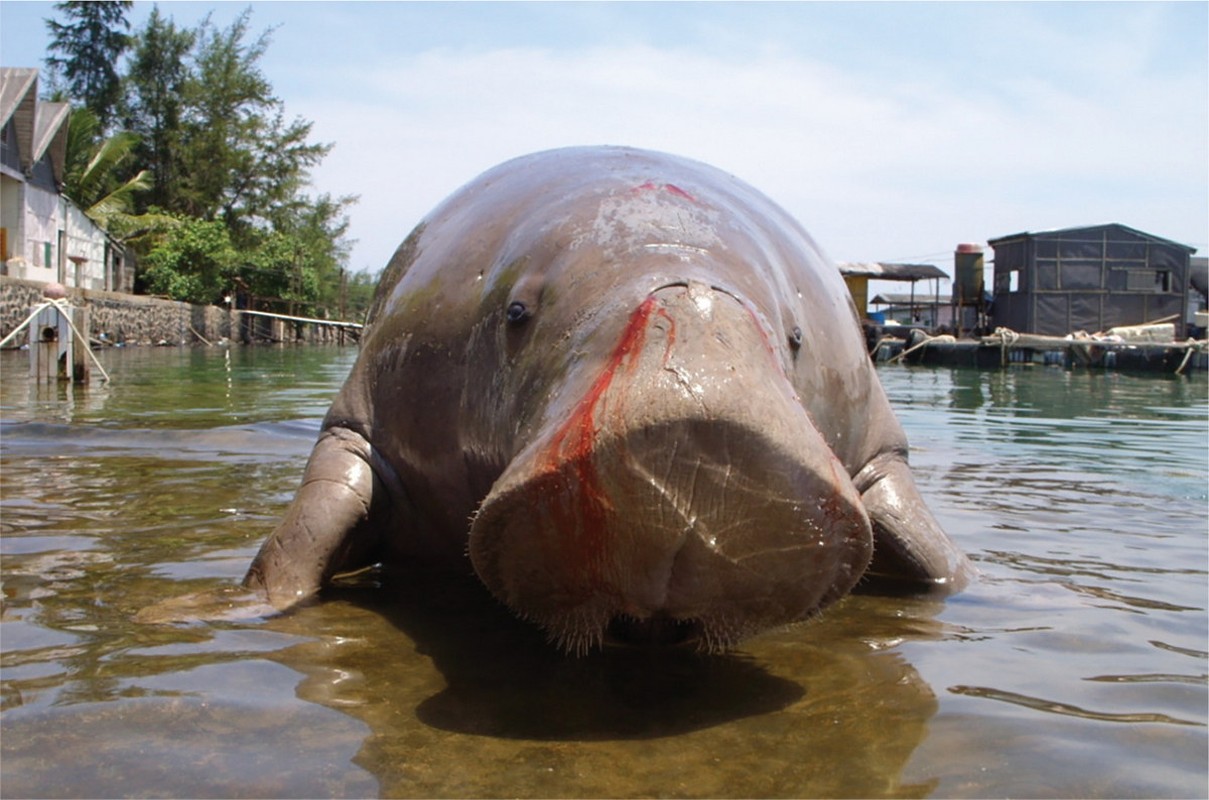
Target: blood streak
x=670, y=188
x=582, y=509
x=676, y=190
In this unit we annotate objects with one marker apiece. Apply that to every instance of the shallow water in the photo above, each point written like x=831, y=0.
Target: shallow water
x=1075, y=666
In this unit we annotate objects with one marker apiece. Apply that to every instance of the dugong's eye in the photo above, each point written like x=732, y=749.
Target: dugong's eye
x=795, y=338
x=518, y=312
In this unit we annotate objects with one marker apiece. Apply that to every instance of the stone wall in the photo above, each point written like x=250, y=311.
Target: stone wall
x=139, y=320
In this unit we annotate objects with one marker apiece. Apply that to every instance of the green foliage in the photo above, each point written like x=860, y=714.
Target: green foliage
x=278, y=267
x=193, y=262
x=157, y=83
x=90, y=44
x=83, y=134
x=91, y=178
x=95, y=176
x=300, y=259
x=299, y=264
x=239, y=159
x=358, y=294
x=208, y=179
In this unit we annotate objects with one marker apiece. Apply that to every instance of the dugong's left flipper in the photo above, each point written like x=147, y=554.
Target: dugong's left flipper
x=332, y=526
x=909, y=547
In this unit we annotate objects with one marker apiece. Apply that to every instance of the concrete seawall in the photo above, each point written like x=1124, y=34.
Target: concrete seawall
x=129, y=319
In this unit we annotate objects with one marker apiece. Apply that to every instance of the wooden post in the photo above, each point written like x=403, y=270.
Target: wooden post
x=343, y=302
x=80, y=365
x=50, y=346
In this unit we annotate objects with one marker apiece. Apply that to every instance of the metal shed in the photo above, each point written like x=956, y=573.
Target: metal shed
x=1091, y=279
x=857, y=277
x=923, y=310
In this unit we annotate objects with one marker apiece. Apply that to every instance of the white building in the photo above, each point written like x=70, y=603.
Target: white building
x=43, y=235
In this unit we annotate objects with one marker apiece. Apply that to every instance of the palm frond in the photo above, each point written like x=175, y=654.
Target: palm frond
x=136, y=228
x=112, y=152
x=120, y=200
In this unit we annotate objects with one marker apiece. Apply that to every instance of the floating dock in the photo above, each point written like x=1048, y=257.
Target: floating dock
x=1005, y=348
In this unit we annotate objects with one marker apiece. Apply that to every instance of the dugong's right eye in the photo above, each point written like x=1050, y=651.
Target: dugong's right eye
x=518, y=312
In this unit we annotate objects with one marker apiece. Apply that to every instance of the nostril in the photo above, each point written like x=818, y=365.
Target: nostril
x=697, y=289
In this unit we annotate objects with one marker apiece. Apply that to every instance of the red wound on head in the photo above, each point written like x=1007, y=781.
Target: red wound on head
x=585, y=509
x=676, y=190
x=670, y=188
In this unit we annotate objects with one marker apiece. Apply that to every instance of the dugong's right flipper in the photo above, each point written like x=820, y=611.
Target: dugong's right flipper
x=332, y=526
x=909, y=547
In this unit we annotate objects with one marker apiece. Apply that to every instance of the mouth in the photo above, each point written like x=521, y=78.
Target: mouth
x=591, y=627
x=657, y=630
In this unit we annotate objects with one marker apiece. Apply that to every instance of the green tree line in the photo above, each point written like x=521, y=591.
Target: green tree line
x=179, y=148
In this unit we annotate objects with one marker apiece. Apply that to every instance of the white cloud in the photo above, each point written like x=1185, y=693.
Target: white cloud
x=890, y=131
x=874, y=168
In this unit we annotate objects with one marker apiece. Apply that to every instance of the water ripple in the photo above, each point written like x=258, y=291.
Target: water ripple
x=1066, y=709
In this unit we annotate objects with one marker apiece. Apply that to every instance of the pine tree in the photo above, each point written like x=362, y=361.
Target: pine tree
x=90, y=44
x=157, y=79
x=241, y=158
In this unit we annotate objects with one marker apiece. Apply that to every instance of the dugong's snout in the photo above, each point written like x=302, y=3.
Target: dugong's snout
x=684, y=492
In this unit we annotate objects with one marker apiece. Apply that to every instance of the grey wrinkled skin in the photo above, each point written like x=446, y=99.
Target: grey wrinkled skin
x=627, y=390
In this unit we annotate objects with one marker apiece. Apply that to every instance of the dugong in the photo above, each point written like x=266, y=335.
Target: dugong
x=630, y=393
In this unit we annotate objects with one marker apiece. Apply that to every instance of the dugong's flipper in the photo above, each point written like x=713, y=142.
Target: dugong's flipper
x=329, y=528
x=909, y=546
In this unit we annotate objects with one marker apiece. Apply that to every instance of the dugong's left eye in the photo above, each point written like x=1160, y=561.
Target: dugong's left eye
x=795, y=338
x=518, y=312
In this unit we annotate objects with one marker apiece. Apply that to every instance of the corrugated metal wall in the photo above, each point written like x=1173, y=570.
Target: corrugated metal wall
x=1089, y=279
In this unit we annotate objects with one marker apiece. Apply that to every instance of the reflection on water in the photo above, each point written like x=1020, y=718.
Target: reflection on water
x=1076, y=665
x=443, y=675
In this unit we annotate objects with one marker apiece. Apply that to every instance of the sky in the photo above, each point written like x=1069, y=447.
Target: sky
x=892, y=131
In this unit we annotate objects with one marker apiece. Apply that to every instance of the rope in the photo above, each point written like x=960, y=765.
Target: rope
x=336, y=322
x=1007, y=337
x=882, y=341
x=199, y=336
x=1190, y=347
x=944, y=338
x=37, y=310
x=64, y=308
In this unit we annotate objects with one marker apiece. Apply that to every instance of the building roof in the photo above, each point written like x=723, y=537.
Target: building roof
x=15, y=83
x=18, y=102
x=1084, y=231
x=883, y=271
x=41, y=126
x=895, y=299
